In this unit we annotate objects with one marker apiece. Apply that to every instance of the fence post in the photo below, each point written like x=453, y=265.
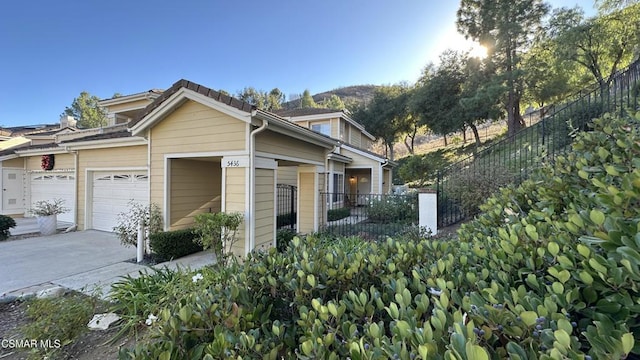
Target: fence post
x=428, y=210
x=292, y=195
x=140, y=248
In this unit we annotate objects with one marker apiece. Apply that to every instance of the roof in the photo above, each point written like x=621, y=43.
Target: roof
x=216, y=95
x=29, y=129
x=104, y=136
x=51, y=146
x=368, y=152
x=151, y=92
x=305, y=112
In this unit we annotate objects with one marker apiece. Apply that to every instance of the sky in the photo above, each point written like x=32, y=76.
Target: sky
x=50, y=51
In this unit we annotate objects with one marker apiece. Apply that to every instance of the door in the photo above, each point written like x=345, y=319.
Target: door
x=12, y=191
x=112, y=192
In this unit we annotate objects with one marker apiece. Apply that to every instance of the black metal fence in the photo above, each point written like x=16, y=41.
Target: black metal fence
x=286, y=206
x=369, y=216
x=464, y=185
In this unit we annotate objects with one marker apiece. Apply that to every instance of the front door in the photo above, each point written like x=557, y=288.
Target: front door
x=12, y=191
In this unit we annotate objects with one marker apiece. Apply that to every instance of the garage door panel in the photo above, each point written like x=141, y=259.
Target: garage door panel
x=112, y=192
x=48, y=187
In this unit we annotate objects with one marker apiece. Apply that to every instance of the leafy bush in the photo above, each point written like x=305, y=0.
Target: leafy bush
x=470, y=187
x=174, y=244
x=393, y=209
x=283, y=238
x=283, y=220
x=47, y=208
x=217, y=231
x=58, y=321
x=127, y=228
x=419, y=170
x=6, y=223
x=337, y=214
x=550, y=270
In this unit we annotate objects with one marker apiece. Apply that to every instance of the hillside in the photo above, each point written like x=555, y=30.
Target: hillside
x=349, y=94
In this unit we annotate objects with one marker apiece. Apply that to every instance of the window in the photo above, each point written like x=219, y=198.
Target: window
x=338, y=187
x=322, y=128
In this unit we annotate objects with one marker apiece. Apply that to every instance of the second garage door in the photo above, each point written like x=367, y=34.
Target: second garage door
x=51, y=186
x=112, y=192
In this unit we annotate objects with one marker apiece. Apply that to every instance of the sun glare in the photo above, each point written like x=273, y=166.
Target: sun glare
x=478, y=51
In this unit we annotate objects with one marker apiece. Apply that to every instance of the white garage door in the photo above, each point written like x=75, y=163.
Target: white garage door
x=112, y=192
x=50, y=186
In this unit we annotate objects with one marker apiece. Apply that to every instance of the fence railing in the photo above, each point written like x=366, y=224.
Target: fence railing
x=370, y=216
x=286, y=213
x=464, y=185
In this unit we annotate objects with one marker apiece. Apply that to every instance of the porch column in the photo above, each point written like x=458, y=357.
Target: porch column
x=310, y=183
x=235, y=197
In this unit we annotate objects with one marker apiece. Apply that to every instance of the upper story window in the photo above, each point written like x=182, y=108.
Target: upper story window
x=322, y=128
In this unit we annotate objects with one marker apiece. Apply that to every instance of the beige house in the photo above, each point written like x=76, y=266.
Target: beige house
x=191, y=149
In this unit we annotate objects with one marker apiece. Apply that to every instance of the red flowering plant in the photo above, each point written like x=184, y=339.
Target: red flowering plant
x=47, y=162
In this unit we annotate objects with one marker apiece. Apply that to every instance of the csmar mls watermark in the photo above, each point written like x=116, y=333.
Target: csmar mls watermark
x=30, y=344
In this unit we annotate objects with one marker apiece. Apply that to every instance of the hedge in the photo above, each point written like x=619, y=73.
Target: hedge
x=173, y=244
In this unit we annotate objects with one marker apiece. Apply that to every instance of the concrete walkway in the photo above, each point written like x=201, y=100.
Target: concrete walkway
x=29, y=225
x=88, y=261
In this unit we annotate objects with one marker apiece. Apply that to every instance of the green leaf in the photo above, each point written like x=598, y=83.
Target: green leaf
x=597, y=217
x=597, y=266
x=307, y=347
x=529, y=317
x=586, y=278
x=531, y=232
x=553, y=248
x=516, y=352
x=476, y=352
x=627, y=342
x=562, y=337
x=565, y=325
x=557, y=288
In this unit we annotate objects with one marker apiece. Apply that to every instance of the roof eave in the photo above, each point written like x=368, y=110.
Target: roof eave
x=285, y=127
x=105, y=143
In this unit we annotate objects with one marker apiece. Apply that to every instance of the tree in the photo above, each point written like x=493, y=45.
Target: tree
x=505, y=28
x=601, y=45
x=269, y=101
x=333, y=102
x=306, y=101
x=86, y=109
x=387, y=116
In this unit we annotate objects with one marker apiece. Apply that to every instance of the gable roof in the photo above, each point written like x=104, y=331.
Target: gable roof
x=103, y=136
x=304, y=112
x=213, y=94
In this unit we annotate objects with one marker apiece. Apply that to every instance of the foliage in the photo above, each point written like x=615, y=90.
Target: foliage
x=48, y=208
x=306, y=100
x=285, y=219
x=419, y=170
x=174, y=244
x=337, y=214
x=269, y=101
x=217, y=231
x=57, y=320
x=393, y=209
x=6, y=223
x=128, y=222
x=283, y=238
x=474, y=184
x=86, y=109
x=549, y=270
x=333, y=102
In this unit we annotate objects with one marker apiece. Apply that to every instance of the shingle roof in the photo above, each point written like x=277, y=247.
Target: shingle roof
x=216, y=95
x=109, y=135
x=305, y=112
x=29, y=129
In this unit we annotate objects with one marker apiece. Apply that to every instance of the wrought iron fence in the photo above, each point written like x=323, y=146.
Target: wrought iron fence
x=286, y=206
x=464, y=185
x=369, y=216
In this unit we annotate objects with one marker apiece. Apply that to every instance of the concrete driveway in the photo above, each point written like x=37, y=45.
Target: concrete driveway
x=62, y=259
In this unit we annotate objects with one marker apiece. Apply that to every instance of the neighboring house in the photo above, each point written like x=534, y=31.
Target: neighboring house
x=191, y=149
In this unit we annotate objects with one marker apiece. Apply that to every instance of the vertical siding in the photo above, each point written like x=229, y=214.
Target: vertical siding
x=264, y=209
x=235, y=202
x=306, y=200
x=128, y=156
x=196, y=187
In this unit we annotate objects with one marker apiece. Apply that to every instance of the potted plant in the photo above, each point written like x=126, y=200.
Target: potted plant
x=46, y=213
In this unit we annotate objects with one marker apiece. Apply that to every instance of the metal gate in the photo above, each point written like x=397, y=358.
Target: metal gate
x=286, y=207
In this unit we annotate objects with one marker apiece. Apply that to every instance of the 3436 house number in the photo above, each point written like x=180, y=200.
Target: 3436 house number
x=233, y=163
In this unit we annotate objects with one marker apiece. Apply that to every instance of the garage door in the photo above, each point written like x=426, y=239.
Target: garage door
x=112, y=192
x=50, y=186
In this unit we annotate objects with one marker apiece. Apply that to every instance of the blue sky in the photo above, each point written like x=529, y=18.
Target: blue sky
x=53, y=50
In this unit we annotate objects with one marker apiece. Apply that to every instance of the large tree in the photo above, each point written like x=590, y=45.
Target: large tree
x=505, y=28
x=86, y=109
x=269, y=101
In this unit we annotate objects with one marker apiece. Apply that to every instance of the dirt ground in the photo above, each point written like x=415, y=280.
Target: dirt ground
x=92, y=345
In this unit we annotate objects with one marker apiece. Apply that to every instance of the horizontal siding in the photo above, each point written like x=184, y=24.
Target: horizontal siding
x=127, y=156
x=235, y=197
x=355, y=139
x=13, y=163
x=61, y=162
x=196, y=187
x=279, y=144
x=264, y=209
x=288, y=175
x=139, y=104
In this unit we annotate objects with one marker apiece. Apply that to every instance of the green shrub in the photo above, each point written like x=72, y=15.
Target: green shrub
x=283, y=238
x=420, y=170
x=57, y=322
x=6, y=223
x=550, y=270
x=217, y=231
x=338, y=214
x=174, y=244
x=393, y=209
x=127, y=226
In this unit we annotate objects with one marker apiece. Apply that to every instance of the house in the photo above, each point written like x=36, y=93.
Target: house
x=191, y=149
